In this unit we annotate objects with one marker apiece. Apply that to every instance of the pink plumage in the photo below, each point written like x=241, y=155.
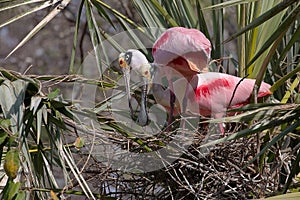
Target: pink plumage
x=185, y=50
x=213, y=92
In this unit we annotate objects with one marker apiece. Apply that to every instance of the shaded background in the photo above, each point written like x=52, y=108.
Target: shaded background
x=49, y=51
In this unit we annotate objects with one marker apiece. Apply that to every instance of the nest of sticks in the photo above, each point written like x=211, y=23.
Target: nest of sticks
x=224, y=171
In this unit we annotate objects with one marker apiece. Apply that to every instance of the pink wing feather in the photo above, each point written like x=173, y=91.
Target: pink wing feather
x=213, y=92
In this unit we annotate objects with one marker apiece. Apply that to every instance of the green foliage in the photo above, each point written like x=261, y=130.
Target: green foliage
x=11, y=190
x=33, y=127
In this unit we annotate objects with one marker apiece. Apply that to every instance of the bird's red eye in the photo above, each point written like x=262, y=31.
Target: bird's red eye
x=121, y=62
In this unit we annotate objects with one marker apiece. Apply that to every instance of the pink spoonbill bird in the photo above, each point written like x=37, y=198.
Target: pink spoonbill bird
x=179, y=52
x=214, y=93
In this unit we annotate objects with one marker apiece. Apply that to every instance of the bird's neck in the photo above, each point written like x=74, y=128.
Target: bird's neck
x=152, y=70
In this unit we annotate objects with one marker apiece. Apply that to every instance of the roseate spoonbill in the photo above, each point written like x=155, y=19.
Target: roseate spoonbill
x=181, y=51
x=214, y=93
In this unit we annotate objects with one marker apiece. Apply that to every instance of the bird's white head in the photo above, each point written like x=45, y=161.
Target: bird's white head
x=135, y=60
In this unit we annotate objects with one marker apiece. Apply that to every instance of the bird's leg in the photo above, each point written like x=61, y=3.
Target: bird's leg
x=221, y=129
x=172, y=103
x=220, y=124
x=184, y=105
x=171, y=112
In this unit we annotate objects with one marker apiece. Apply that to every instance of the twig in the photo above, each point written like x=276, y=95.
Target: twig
x=234, y=91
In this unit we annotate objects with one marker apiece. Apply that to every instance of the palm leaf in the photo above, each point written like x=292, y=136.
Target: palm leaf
x=73, y=54
x=16, y=4
x=261, y=19
x=28, y=12
x=278, y=34
x=267, y=123
x=41, y=24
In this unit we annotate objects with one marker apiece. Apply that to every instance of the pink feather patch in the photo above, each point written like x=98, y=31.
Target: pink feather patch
x=206, y=89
